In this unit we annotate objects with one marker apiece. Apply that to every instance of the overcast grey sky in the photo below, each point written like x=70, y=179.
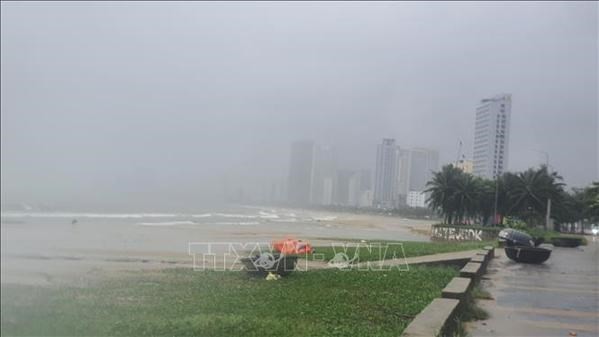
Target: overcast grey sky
x=159, y=103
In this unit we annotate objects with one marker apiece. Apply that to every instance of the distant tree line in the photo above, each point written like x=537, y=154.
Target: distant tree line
x=462, y=198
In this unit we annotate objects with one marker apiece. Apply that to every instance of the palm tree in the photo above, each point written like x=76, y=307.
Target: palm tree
x=528, y=192
x=467, y=191
x=592, y=200
x=486, y=199
x=441, y=191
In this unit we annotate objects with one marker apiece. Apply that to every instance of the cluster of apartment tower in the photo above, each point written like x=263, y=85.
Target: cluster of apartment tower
x=314, y=178
x=401, y=175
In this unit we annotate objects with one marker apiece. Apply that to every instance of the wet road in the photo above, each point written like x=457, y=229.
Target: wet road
x=557, y=298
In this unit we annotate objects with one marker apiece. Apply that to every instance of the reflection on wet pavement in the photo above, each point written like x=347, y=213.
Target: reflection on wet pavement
x=557, y=298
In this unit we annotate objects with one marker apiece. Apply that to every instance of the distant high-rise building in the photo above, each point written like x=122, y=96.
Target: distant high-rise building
x=404, y=173
x=366, y=199
x=301, y=173
x=416, y=199
x=350, y=186
x=365, y=180
x=325, y=168
x=342, y=190
x=353, y=188
x=465, y=165
x=311, y=174
x=386, y=181
x=491, y=136
x=423, y=162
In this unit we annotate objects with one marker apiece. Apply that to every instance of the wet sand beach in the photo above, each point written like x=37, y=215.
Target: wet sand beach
x=48, y=249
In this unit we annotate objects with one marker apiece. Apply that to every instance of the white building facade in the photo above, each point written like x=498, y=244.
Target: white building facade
x=416, y=199
x=491, y=136
x=386, y=179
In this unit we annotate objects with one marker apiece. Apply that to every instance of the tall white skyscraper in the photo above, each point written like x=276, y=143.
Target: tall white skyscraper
x=491, y=136
x=422, y=164
x=386, y=181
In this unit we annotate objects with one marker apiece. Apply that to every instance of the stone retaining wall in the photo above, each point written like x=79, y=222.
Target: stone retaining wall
x=440, y=317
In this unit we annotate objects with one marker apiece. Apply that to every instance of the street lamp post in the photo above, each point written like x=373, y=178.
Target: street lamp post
x=496, y=198
x=548, y=213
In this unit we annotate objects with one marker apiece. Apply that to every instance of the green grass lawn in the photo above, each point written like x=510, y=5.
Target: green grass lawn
x=182, y=302
x=410, y=248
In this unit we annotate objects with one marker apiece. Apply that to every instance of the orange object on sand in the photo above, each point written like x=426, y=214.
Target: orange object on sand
x=292, y=246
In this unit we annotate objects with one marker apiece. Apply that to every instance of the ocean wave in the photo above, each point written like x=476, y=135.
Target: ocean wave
x=266, y=215
x=167, y=223
x=241, y=223
x=87, y=215
x=206, y=215
x=240, y=216
x=325, y=218
x=287, y=220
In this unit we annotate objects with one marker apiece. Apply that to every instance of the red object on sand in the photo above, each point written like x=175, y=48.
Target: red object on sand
x=292, y=246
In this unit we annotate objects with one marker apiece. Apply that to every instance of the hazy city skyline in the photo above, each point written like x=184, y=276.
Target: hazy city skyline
x=162, y=104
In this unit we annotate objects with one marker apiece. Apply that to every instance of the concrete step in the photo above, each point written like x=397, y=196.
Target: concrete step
x=434, y=320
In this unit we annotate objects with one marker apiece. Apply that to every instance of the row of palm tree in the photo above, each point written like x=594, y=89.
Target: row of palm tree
x=461, y=198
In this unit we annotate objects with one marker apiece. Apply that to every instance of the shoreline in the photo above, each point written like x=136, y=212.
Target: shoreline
x=48, y=251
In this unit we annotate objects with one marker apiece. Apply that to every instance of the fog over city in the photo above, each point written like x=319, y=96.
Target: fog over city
x=168, y=106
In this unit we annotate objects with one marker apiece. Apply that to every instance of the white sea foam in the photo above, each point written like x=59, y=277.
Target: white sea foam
x=266, y=215
x=286, y=220
x=248, y=223
x=167, y=223
x=241, y=223
x=240, y=216
x=205, y=215
x=325, y=218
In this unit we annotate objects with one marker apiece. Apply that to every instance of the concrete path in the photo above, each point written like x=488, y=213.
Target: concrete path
x=441, y=258
x=557, y=298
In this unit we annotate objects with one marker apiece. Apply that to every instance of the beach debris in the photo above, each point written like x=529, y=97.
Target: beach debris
x=272, y=276
x=573, y=334
x=521, y=247
x=292, y=247
x=270, y=262
x=513, y=237
x=280, y=260
x=266, y=260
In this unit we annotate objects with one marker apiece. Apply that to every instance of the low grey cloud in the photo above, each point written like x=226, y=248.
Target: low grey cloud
x=165, y=103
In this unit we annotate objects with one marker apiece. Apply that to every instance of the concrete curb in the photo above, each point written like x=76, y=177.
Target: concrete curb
x=440, y=317
x=434, y=319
